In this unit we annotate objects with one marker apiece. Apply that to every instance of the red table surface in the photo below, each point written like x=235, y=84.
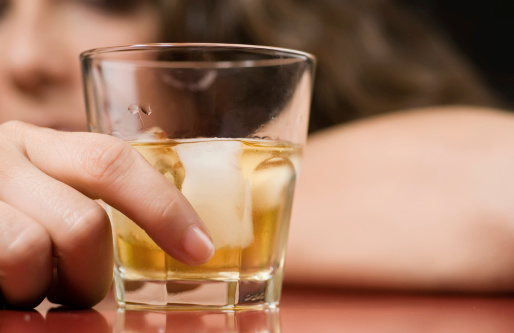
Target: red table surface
x=301, y=310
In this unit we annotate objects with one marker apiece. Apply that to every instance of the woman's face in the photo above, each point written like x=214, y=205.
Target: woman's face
x=40, y=43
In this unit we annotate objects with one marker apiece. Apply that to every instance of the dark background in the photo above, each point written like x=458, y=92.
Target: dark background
x=483, y=31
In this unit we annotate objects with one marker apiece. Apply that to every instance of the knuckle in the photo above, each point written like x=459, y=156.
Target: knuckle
x=87, y=224
x=12, y=126
x=104, y=160
x=27, y=246
x=10, y=132
x=163, y=208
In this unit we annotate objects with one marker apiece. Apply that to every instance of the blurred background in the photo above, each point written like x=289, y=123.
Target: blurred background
x=482, y=31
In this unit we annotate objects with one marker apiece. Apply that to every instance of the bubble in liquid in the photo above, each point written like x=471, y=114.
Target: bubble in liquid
x=133, y=109
x=140, y=108
x=146, y=109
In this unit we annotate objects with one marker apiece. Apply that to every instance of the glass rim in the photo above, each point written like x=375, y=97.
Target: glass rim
x=291, y=53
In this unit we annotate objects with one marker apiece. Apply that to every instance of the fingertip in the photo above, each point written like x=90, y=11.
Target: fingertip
x=21, y=304
x=75, y=300
x=198, y=246
x=82, y=295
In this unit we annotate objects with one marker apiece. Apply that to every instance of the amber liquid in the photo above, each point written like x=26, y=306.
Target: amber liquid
x=249, y=228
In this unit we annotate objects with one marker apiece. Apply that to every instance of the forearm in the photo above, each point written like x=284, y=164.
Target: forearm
x=418, y=200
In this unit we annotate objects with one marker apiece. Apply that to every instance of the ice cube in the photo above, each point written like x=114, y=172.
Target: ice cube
x=271, y=180
x=217, y=189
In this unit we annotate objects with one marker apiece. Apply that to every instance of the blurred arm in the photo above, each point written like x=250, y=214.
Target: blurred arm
x=418, y=200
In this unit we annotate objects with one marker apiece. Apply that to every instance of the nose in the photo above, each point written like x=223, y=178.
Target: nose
x=31, y=57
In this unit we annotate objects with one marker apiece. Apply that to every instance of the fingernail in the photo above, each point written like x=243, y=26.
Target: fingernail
x=198, y=245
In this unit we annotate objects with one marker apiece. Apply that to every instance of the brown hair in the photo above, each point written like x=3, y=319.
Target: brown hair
x=373, y=56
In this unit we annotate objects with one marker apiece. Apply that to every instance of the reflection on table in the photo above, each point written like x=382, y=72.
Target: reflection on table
x=197, y=321
x=301, y=310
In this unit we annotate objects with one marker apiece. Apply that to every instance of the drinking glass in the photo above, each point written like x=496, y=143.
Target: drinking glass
x=225, y=124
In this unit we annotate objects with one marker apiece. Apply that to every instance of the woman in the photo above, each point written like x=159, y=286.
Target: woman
x=384, y=226
x=48, y=177
x=415, y=200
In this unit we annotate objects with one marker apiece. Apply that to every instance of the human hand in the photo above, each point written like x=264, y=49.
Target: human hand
x=55, y=240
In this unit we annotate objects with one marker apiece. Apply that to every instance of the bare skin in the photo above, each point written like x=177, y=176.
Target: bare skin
x=417, y=200
x=51, y=219
x=41, y=41
x=414, y=200
x=54, y=238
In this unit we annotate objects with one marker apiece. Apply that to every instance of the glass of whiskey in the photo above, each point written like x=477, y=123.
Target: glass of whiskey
x=226, y=125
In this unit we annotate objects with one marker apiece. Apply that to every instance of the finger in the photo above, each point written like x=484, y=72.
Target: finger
x=25, y=259
x=105, y=167
x=78, y=227
x=79, y=230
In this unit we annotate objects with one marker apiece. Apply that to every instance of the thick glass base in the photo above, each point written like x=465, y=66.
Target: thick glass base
x=198, y=294
x=260, y=320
